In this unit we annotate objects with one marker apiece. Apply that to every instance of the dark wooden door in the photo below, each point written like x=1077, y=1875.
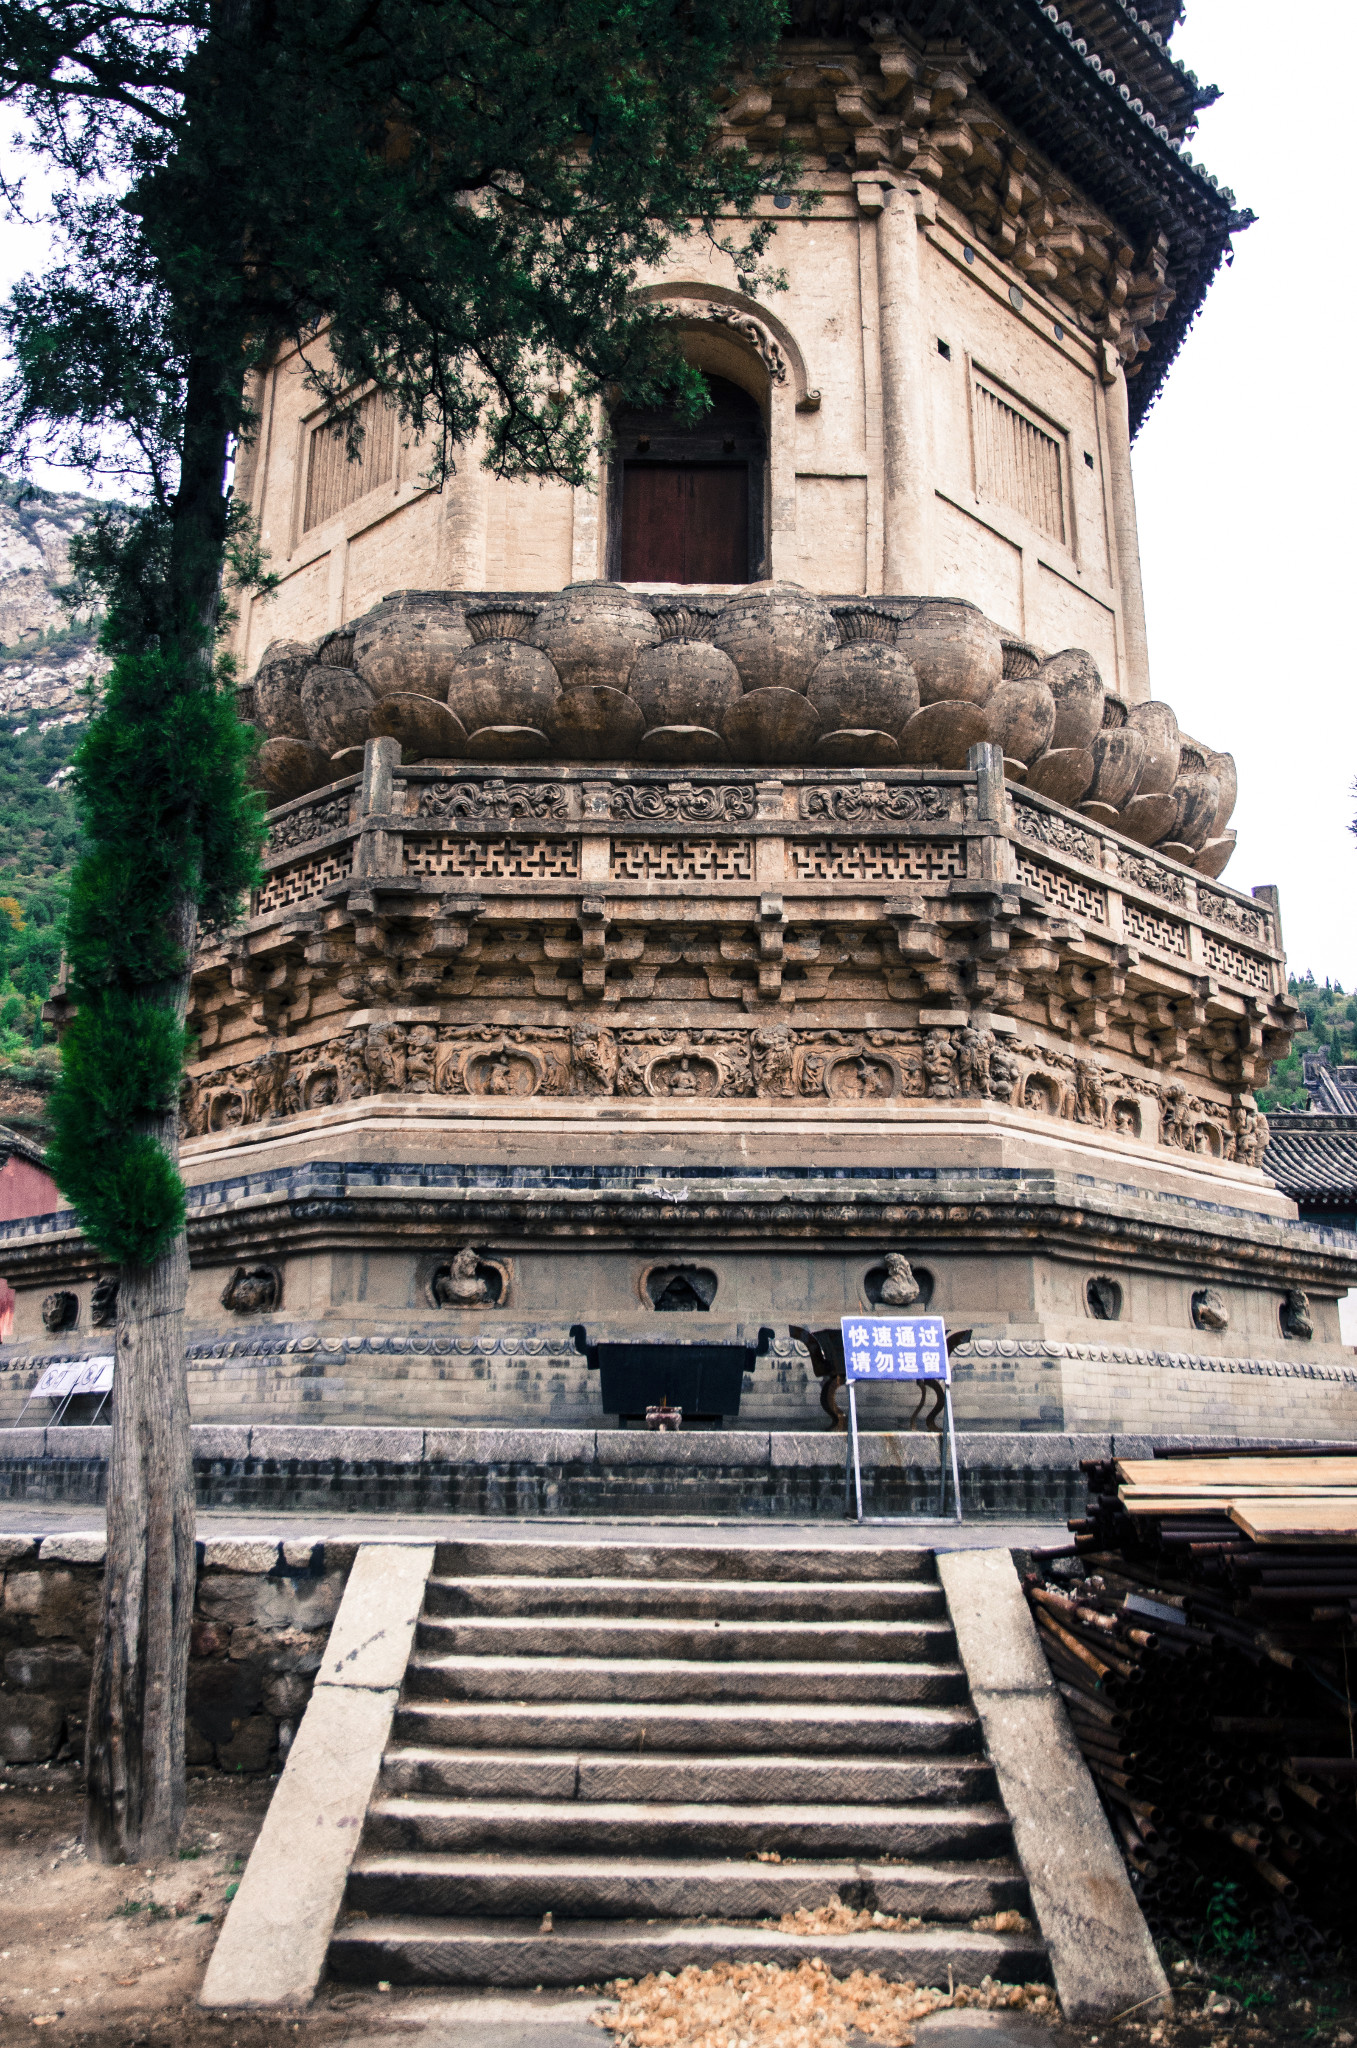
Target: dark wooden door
x=685, y=522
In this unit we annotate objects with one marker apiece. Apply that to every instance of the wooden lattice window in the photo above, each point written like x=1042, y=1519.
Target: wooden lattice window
x=332, y=480
x=1018, y=463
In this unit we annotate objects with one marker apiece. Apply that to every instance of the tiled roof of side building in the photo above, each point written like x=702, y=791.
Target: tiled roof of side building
x=1313, y=1157
x=1332, y=1089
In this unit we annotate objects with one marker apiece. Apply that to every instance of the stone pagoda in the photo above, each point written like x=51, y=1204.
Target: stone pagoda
x=762, y=885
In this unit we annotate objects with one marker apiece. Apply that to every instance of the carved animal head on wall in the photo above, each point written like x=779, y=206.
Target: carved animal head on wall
x=468, y=1280
x=1295, y=1315
x=104, y=1300
x=60, y=1311
x=897, y=1284
x=253, y=1290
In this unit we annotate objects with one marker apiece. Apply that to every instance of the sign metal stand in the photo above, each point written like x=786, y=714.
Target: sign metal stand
x=62, y=1383
x=909, y=1348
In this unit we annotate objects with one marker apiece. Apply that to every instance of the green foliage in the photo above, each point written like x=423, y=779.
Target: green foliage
x=1227, y=1927
x=39, y=841
x=169, y=822
x=1329, y=1021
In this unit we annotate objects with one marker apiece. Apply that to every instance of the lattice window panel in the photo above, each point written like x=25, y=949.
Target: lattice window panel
x=507, y=860
x=298, y=884
x=1234, y=965
x=332, y=481
x=682, y=860
x=1018, y=464
x=1081, y=899
x=1152, y=930
x=877, y=860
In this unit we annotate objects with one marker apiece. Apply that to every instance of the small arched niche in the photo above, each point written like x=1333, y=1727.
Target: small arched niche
x=681, y=1290
x=877, y=1292
x=686, y=503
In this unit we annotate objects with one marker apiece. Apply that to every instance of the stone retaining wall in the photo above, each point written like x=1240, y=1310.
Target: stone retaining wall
x=261, y=1618
x=778, y=1475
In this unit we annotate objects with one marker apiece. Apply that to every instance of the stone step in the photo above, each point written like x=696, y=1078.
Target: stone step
x=831, y=1685
x=579, y=1827
x=674, y=1598
x=645, y=1888
x=867, y=1642
x=530, y=1556
x=723, y=1728
x=687, y=1780
x=417, y=1950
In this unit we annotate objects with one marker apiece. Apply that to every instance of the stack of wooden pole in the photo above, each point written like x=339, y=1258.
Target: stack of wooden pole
x=1202, y=1630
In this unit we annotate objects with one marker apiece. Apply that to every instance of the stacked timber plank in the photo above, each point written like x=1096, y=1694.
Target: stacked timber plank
x=1203, y=1632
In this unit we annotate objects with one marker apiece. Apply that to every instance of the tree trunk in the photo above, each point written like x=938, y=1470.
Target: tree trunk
x=134, y=1745
x=135, y=1739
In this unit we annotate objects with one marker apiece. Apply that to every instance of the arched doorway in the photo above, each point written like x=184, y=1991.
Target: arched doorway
x=686, y=503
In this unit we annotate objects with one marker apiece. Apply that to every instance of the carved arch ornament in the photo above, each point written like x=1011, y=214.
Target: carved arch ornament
x=745, y=321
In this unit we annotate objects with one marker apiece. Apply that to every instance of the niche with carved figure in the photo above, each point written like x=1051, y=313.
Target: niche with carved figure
x=469, y=1279
x=897, y=1286
x=680, y=1290
x=1104, y=1298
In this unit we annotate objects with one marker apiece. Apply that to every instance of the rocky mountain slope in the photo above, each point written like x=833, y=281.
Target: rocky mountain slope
x=46, y=653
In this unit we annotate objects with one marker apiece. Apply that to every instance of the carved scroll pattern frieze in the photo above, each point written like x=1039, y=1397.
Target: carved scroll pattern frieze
x=1165, y=933
x=298, y=828
x=495, y=799
x=529, y=860
x=1046, y=828
x=870, y=803
x=1152, y=876
x=1222, y=909
x=683, y=802
x=1234, y=965
x=682, y=860
x=772, y=1062
x=1081, y=899
x=300, y=883
x=876, y=860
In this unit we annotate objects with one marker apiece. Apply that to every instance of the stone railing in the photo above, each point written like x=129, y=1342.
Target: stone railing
x=607, y=931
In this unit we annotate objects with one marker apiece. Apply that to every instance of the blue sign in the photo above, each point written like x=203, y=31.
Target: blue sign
x=895, y=1348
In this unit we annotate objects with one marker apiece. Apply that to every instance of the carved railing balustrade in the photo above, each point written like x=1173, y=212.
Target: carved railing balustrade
x=850, y=935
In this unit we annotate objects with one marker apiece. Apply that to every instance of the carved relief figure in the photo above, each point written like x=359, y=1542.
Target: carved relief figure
x=975, y=1053
x=1003, y=1073
x=1091, y=1105
x=1126, y=1117
x=420, y=1054
x=940, y=1063
x=594, y=1054
x=899, y=1288
x=384, y=1057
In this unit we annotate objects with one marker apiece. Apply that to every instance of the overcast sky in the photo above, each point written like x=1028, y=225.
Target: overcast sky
x=1243, y=479
x=1243, y=486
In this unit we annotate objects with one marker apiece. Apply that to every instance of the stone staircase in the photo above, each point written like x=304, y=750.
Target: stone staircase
x=662, y=1746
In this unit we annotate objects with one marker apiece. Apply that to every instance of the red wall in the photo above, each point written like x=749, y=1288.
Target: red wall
x=26, y=1190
